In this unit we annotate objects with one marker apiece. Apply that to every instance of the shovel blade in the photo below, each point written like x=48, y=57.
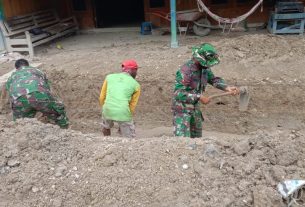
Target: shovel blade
x=244, y=98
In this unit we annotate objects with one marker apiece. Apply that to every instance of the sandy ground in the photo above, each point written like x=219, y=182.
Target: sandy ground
x=250, y=151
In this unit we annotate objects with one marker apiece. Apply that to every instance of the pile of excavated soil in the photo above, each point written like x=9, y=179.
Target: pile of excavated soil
x=262, y=49
x=43, y=165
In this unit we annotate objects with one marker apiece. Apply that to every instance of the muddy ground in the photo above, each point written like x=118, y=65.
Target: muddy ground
x=250, y=151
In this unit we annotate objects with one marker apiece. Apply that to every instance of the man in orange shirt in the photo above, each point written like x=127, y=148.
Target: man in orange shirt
x=119, y=97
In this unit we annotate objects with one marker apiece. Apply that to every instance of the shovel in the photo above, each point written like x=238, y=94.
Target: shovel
x=244, y=97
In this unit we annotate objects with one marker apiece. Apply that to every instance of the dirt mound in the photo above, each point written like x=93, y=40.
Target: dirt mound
x=44, y=165
x=262, y=48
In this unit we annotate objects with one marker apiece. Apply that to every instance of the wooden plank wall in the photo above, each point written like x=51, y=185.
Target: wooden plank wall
x=21, y=7
x=185, y=4
x=156, y=20
x=84, y=18
x=64, y=8
x=231, y=9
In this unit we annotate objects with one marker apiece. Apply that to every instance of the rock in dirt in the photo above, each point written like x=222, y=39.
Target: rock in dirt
x=13, y=163
x=3, y=161
x=35, y=189
x=242, y=147
x=59, y=171
x=185, y=167
x=109, y=160
x=211, y=150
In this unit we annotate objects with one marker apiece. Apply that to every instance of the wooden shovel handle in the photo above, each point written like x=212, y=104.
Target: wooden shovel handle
x=221, y=94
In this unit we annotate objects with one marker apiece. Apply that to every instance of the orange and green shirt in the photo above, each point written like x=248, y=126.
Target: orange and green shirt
x=119, y=96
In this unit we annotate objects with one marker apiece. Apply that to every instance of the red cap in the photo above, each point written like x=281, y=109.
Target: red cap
x=130, y=64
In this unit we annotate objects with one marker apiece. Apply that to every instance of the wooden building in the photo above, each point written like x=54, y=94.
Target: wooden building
x=104, y=13
x=64, y=8
x=89, y=13
x=223, y=8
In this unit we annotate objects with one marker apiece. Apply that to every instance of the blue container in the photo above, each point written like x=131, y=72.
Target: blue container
x=146, y=28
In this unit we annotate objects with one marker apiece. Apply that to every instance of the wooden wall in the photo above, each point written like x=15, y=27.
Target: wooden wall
x=64, y=8
x=84, y=18
x=155, y=19
x=185, y=4
x=231, y=9
x=21, y=7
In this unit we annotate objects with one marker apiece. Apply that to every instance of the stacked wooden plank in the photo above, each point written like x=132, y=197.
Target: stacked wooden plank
x=288, y=18
x=23, y=33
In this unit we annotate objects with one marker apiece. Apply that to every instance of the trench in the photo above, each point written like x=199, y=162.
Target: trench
x=279, y=105
x=272, y=105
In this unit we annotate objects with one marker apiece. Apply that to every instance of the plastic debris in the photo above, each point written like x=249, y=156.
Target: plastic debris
x=292, y=191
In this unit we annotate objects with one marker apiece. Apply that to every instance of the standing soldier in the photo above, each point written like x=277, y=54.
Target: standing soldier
x=119, y=96
x=191, y=81
x=29, y=93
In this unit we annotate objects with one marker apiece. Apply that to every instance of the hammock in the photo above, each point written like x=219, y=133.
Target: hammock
x=202, y=7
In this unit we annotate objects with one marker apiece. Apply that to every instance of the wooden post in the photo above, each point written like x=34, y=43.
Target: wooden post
x=1, y=10
x=1, y=34
x=30, y=45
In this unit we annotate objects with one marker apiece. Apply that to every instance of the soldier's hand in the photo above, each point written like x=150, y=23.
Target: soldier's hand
x=234, y=90
x=204, y=100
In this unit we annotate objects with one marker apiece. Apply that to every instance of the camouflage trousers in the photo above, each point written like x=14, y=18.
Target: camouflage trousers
x=27, y=106
x=188, y=123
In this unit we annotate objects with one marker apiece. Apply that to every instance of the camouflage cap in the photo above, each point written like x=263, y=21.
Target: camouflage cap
x=205, y=54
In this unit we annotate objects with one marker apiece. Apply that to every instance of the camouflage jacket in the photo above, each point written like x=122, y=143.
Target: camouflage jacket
x=25, y=81
x=191, y=82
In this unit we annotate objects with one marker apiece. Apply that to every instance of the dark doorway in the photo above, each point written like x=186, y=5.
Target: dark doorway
x=112, y=13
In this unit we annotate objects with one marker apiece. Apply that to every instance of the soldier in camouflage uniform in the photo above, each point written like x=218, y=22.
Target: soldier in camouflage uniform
x=29, y=92
x=191, y=81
